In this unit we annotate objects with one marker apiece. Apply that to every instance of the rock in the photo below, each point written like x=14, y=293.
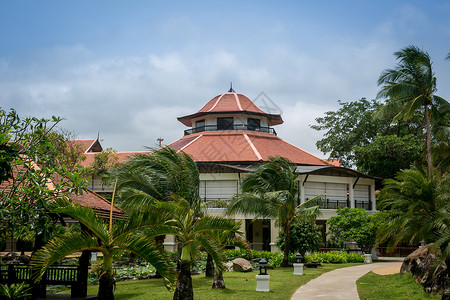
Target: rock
x=228, y=266
x=242, y=265
x=427, y=270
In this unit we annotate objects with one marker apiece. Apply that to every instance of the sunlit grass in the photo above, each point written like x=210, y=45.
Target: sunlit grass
x=239, y=285
x=390, y=287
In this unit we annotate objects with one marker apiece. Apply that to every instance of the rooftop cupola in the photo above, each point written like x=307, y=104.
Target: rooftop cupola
x=230, y=111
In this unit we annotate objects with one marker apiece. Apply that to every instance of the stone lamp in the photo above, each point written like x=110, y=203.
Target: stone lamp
x=262, y=279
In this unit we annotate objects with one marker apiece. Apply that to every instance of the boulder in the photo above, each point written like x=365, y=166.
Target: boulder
x=242, y=265
x=428, y=270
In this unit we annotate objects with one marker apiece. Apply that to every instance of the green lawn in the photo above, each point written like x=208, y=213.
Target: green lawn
x=393, y=287
x=239, y=285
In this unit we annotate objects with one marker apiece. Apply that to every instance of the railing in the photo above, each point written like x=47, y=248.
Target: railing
x=363, y=204
x=232, y=127
x=216, y=202
x=335, y=204
x=57, y=275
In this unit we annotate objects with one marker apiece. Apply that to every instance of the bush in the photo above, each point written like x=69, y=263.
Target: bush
x=334, y=257
x=304, y=237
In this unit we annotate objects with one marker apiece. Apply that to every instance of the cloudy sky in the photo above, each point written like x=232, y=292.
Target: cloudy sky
x=127, y=69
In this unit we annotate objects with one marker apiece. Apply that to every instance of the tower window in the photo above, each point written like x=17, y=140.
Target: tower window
x=253, y=124
x=225, y=123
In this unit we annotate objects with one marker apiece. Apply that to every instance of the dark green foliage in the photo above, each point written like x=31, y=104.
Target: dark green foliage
x=305, y=236
x=422, y=204
x=14, y=291
x=353, y=127
x=387, y=154
x=353, y=224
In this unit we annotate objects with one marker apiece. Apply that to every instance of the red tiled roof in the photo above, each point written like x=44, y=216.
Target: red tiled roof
x=242, y=146
x=231, y=103
x=88, y=146
x=122, y=157
x=95, y=201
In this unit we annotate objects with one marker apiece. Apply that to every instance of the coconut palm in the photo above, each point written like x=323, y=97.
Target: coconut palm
x=271, y=191
x=409, y=87
x=423, y=204
x=133, y=233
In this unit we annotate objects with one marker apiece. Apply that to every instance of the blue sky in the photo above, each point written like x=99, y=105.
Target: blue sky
x=128, y=69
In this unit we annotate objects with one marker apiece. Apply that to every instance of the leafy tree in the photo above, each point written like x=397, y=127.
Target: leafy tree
x=305, y=236
x=271, y=191
x=411, y=88
x=353, y=224
x=352, y=126
x=133, y=233
x=30, y=174
x=387, y=154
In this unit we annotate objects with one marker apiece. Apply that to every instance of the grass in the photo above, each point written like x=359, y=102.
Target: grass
x=393, y=287
x=239, y=285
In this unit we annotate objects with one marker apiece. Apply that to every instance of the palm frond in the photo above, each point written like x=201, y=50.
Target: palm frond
x=61, y=246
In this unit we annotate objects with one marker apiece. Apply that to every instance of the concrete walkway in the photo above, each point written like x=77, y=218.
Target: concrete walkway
x=340, y=283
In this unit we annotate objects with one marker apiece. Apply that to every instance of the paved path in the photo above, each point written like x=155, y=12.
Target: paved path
x=339, y=283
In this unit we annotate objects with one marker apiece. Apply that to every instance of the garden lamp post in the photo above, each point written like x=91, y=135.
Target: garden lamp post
x=262, y=279
x=298, y=265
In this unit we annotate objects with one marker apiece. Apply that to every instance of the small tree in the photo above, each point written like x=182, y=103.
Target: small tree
x=305, y=236
x=353, y=224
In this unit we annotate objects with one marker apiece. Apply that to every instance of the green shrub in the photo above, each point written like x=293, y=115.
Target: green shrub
x=334, y=257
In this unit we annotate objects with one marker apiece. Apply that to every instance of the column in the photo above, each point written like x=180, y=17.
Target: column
x=274, y=231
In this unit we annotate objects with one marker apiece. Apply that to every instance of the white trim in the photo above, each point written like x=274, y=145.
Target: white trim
x=169, y=244
x=188, y=144
x=238, y=102
x=253, y=147
x=217, y=102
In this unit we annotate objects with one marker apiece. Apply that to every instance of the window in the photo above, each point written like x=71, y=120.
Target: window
x=225, y=123
x=253, y=124
x=199, y=126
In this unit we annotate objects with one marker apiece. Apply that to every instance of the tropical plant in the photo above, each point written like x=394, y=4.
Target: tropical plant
x=226, y=238
x=305, y=236
x=168, y=181
x=271, y=191
x=411, y=87
x=134, y=233
x=423, y=206
x=14, y=291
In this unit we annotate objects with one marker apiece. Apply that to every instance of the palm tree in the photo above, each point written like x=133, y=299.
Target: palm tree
x=409, y=87
x=168, y=181
x=271, y=191
x=226, y=238
x=423, y=206
x=192, y=228
x=133, y=233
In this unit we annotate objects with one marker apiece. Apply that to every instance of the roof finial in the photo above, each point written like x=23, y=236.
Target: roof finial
x=231, y=88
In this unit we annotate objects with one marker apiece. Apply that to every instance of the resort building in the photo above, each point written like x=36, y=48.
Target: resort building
x=228, y=137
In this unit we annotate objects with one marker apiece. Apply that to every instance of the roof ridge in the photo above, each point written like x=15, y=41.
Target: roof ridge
x=238, y=101
x=188, y=144
x=217, y=102
x=258, y=155
x=323, y=160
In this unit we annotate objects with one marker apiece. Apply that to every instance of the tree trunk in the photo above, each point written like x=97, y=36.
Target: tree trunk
x=106, y=282
x=210, y=270
x=106, y=287
x=287, y=237
x=159, y=241
x=428, y=132
x=184, y=289
x=218, y=282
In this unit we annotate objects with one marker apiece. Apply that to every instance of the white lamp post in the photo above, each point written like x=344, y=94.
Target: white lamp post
x=262, y=279
x=298, y=265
